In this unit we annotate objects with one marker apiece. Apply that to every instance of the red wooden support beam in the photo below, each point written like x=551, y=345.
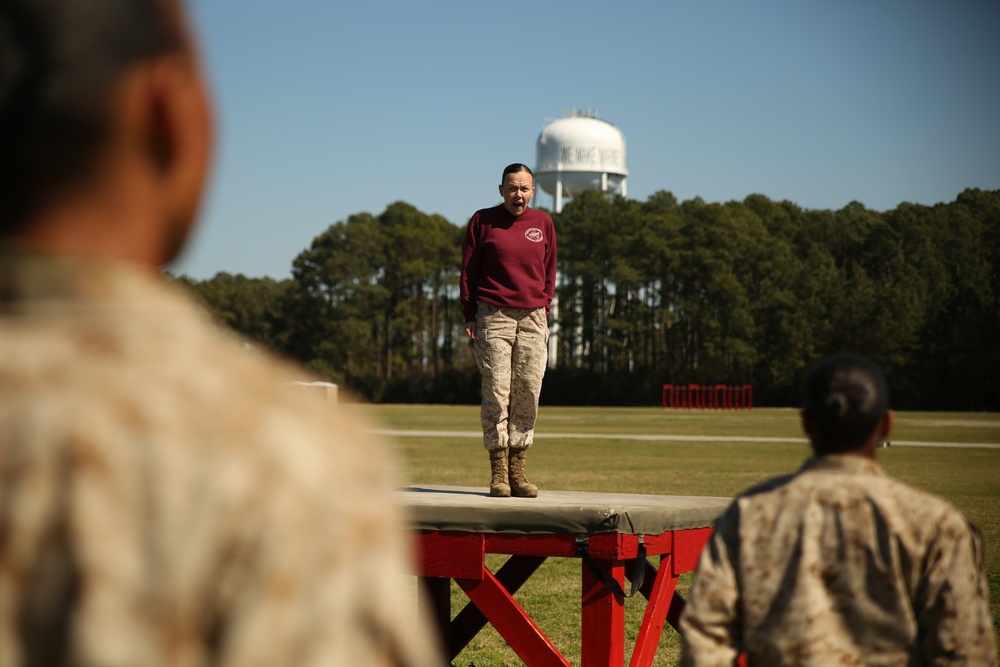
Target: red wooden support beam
x=655, y=617
x=603, y=618
x=553, y=546
x=434, y=597
x=469, y=621
x=451, y=555
x=687, y=548
x=657, y=545
x=613, y=546
x=512, y=622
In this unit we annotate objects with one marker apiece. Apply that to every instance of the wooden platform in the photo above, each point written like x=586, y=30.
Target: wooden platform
x=611, y=534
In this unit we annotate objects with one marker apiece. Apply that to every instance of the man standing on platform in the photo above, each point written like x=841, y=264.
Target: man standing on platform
x=507, y=284
x=838, y=564
x=164, y=500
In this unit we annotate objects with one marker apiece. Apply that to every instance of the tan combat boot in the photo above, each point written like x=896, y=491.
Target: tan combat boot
x=499, y=486
x=519, y=486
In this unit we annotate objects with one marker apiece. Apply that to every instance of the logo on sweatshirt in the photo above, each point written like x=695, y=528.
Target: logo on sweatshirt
x=534, y=234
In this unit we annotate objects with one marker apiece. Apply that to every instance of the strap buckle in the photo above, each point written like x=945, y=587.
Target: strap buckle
x=636, y=574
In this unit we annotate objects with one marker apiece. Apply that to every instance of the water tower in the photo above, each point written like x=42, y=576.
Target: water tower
x=580, y=152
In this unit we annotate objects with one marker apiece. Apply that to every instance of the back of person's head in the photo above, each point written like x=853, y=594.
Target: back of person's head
x=59, y=63
x=846, y=397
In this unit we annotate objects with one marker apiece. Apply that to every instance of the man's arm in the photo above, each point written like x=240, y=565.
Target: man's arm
x=710, y=623
x=954, y=622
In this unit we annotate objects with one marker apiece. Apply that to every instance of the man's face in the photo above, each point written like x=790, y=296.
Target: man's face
x=517, y=190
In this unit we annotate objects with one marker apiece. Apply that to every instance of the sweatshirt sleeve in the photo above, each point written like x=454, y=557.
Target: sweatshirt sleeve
x=550, y=269
x=470, y=270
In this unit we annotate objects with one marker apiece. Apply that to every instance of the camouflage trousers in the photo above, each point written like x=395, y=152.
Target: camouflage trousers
x=511, y=352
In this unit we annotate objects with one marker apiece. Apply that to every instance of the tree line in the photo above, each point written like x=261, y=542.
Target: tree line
x=654, y=292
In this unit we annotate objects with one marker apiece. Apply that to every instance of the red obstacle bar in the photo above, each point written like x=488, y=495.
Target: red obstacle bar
x=708, y=397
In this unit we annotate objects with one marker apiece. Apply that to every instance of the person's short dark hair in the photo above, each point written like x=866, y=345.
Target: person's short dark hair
x=846, y=396
x=59, y=63
x=516, y=168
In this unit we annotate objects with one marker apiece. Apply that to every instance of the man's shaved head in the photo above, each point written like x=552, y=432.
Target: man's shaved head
x=60, y=61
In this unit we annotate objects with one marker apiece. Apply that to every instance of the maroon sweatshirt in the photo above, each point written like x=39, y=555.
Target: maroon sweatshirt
x=508, y=261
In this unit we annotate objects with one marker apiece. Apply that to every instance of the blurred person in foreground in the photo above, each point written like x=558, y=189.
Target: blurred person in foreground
x=506, y=287
x=163, y=499
x=838, y=564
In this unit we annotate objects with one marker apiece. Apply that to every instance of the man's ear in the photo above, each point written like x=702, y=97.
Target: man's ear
x=161, y=137
x=179, y=136
x=807, y=425
x=178, y=139
x=885, y=426
x=812, y=433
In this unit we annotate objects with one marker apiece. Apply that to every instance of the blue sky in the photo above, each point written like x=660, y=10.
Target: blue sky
x=326, y=109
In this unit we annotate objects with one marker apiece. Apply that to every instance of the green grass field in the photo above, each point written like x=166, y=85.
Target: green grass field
x=722, y=466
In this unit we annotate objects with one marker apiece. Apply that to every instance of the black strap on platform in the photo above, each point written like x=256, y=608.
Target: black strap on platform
x=636, y=576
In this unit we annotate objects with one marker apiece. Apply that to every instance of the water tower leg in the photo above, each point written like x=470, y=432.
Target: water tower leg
x=624, y=189
x=558, y=193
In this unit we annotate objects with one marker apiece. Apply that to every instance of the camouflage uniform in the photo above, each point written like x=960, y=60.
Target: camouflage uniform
x=511, y=353
x=165, y=500
x=840, y=565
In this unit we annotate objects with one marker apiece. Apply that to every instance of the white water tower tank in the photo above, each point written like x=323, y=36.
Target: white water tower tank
x=580, y=152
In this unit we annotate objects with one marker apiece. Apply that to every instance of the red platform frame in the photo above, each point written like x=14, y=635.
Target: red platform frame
x=445, y=555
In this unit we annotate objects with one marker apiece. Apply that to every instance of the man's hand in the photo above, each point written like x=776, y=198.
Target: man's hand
x=470, y=330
